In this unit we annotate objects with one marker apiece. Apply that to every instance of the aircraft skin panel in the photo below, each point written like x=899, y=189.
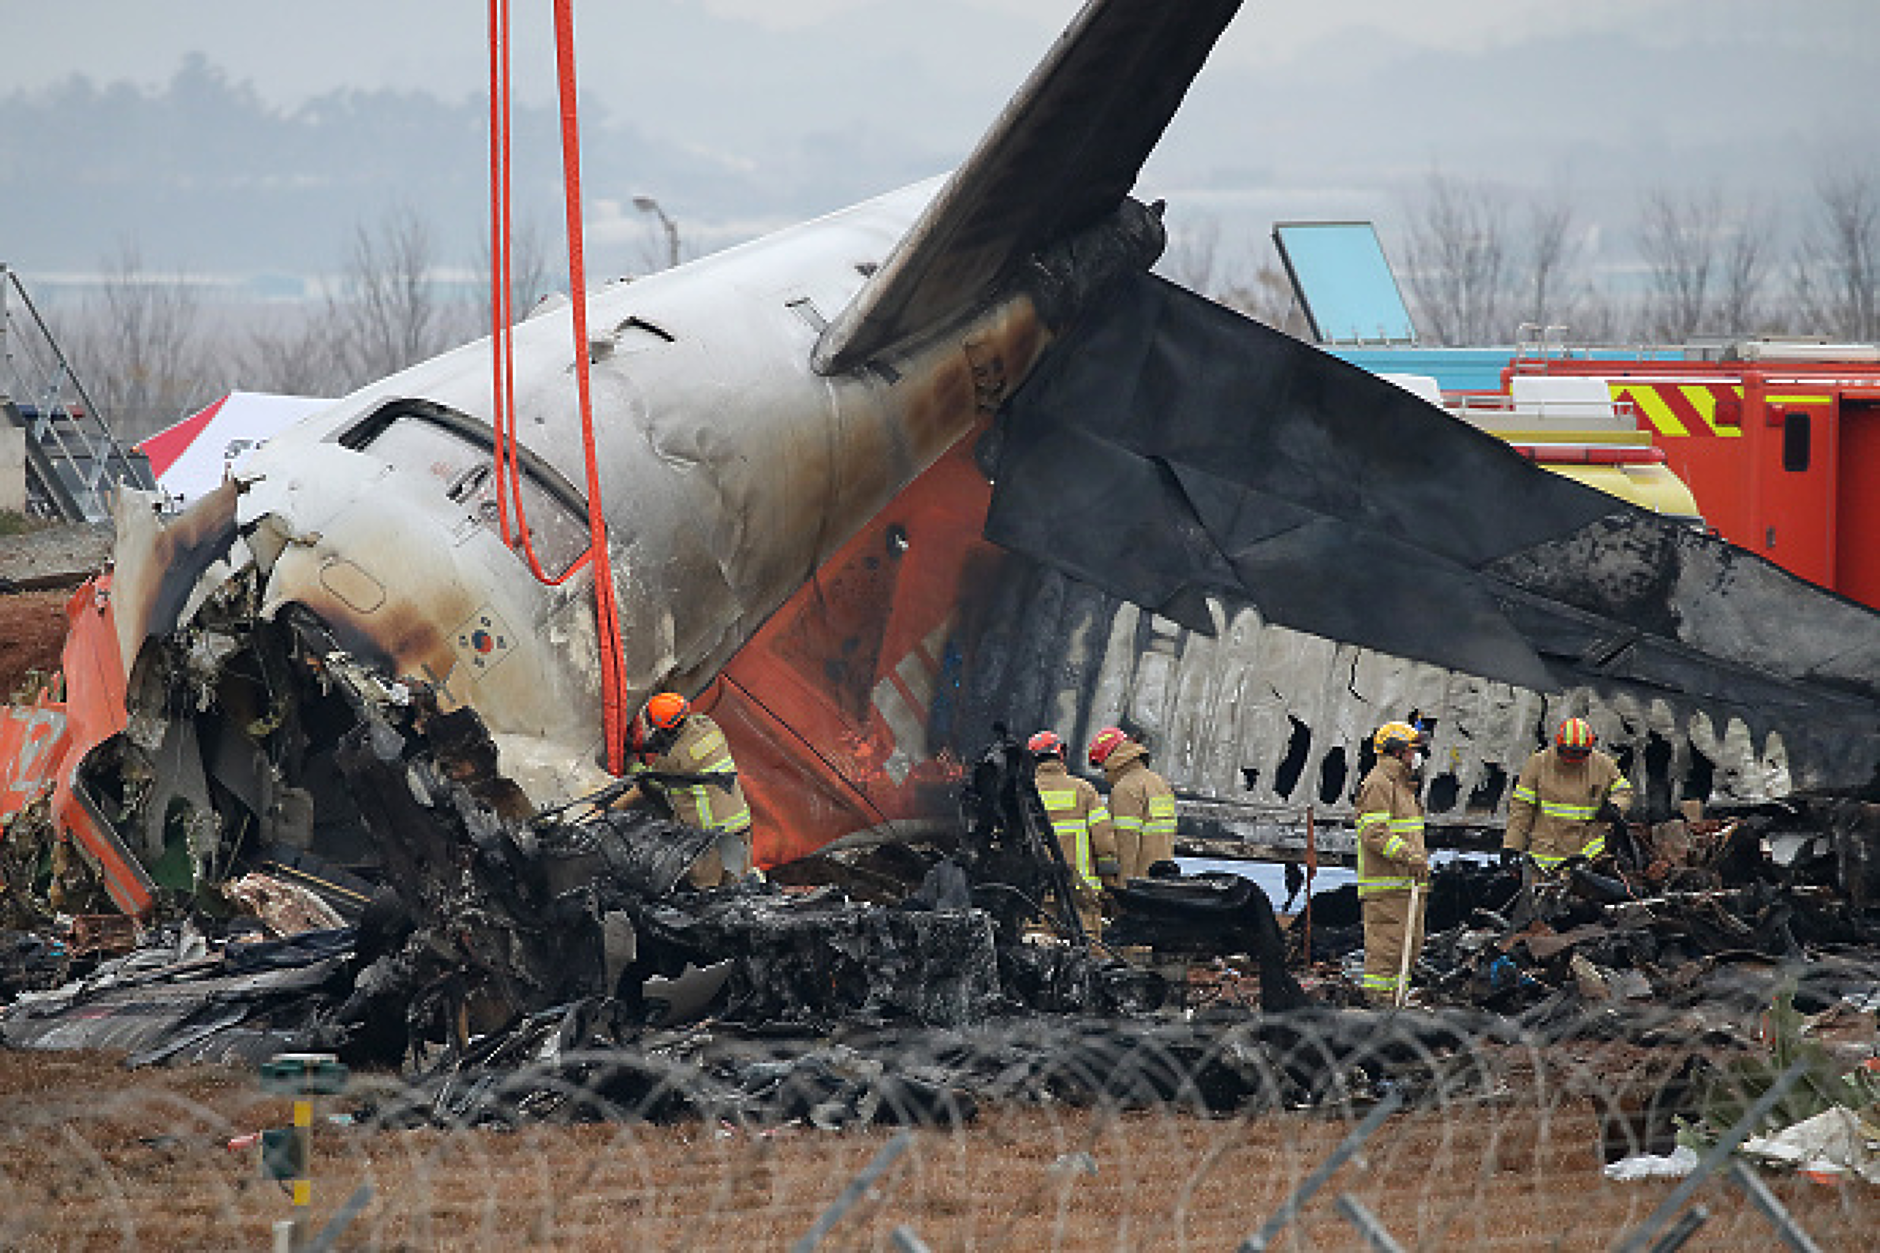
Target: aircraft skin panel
x=730, y=472
x=1179, y=457
x=1253, y=722
x=846, y=698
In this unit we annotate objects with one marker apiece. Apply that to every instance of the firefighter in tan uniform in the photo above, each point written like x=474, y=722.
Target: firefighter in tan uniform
x=1141, y=803
x=1082, y=826
x=1391, y=857
x=1555, y=810
x=668, y=737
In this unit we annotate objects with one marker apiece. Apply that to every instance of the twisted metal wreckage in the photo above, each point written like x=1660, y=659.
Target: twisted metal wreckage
x=950, y=459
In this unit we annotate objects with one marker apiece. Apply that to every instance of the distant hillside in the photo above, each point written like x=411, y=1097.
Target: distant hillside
x=736, y=128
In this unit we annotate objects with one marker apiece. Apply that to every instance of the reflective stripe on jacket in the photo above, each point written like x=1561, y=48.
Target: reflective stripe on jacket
x=700, y=749
x=1079, y=819
x=1553, y=812
x=1142, y=809
x=1390, y=829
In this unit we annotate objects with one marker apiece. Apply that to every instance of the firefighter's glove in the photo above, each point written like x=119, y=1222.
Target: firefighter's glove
x=1610, y=813
x=1110, y=870
x=1419, y=867
x=1511, y=858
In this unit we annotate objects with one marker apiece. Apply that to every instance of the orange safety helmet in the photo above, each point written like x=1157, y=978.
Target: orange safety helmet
x=1105, y=742
x=1575, y=739
x=666, y=710
x=1045, y=744
x=1394, y=737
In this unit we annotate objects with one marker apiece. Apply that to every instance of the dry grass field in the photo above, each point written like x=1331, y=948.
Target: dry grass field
x=93, y=1156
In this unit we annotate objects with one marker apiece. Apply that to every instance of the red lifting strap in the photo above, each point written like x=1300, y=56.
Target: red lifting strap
x=502, y=382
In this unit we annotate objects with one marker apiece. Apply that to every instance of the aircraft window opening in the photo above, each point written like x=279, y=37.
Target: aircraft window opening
x=1795, y=441
x=456, y=451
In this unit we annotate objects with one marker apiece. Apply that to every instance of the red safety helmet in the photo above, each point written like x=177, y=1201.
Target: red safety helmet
x=1045, y=744
x=1105, y=742
x=1575, y=739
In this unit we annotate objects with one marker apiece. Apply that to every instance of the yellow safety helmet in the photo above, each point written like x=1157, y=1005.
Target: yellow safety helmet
x=1394, y=737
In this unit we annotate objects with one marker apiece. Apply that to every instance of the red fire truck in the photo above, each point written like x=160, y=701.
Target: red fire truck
x=1779, y=441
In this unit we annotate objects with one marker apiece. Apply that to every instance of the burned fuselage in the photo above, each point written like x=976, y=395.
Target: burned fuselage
x=1172, y=489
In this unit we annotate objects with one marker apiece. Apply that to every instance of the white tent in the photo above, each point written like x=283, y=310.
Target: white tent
x=191, y=458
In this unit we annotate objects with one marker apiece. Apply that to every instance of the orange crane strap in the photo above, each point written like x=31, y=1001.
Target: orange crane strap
x=502, y=382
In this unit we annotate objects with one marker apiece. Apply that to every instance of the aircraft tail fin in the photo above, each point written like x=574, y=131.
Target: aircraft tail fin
x=1062, y=155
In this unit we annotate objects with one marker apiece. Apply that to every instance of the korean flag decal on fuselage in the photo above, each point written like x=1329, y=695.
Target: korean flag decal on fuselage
x=482, y=642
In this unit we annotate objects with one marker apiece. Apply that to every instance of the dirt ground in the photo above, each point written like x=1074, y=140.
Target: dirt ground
x=94, y=1157
x=32, y=633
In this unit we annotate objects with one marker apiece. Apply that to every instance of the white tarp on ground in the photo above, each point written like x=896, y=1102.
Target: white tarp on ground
x=1835, y=1141
x=192, y=457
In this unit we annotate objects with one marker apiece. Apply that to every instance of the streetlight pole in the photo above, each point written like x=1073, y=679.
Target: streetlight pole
x=646, y=204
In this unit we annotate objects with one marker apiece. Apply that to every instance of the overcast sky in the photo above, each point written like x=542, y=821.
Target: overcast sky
x=1310, y=108
x=292, y=51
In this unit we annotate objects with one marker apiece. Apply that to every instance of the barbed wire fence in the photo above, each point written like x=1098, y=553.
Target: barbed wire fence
x=1415, y=1130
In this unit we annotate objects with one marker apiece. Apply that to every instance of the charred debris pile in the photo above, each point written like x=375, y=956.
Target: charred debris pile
x=513, y=964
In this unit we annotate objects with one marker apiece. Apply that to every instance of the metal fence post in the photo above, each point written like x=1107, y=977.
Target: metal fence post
x=904, y=1239
x=1373, y=1231
x=858, y=1187
x=336, y=1225
x=1258, y=1242
x=1745, y=1177
x=1683, y=1229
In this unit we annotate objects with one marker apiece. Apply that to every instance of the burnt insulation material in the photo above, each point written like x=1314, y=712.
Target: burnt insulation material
x=1169, y=449
x=1206, y=915
x=819, y=957
x=241, y=1005
x=573, y=1063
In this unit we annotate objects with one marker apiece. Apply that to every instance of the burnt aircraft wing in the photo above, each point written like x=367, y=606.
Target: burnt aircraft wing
x=1061, y=157
x=1172, y=448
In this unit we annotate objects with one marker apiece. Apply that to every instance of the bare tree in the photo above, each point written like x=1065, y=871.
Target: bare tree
x=387, y=313
x=292, y=350
x=1709, y=264
x=530, y=274
x=1743, y=303
x=1680, y=239
x=138, y=346
x=1457, y=259
x=1551, y=291
x=1837, y=285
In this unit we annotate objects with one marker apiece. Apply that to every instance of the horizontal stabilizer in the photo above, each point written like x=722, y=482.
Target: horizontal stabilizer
x=1062, y=156
x=1169, y=449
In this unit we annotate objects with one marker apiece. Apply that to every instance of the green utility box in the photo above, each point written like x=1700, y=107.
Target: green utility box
x=283, y=1154
x=303, y=1074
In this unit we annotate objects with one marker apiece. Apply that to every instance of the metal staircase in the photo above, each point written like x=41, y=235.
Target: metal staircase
x=73, y=461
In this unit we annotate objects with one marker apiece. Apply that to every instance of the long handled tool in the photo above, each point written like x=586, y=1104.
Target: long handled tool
x=1409, y=933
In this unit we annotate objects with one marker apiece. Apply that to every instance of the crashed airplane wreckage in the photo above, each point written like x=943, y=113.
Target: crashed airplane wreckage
x=873, y=485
